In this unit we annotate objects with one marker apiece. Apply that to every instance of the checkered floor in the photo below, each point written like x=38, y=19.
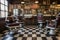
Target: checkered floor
x=33, y=33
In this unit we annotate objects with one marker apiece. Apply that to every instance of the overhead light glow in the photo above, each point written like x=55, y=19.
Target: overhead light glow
x=36, y=1
x=22, y=2
x=54, y=3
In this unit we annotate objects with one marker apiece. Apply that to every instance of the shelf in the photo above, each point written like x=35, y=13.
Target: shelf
x=48, y=15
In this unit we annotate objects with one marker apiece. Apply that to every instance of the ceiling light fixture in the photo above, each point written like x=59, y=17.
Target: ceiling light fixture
x=36, y=1
x=22, y=2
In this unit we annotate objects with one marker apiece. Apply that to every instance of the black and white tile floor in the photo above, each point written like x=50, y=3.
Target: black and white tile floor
x=29, y=33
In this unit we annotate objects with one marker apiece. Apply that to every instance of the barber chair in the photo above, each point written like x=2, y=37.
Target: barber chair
x=40, y=20
x=8, y=36
x=52, y=27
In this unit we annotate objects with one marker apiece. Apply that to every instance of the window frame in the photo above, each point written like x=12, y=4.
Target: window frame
x=4, y=10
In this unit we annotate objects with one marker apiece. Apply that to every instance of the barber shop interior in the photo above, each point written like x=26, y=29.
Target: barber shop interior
x=29, y=19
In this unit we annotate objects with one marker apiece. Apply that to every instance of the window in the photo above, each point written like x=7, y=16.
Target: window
x=15, y=12
x=2, y=14
x=6, y=8
x=2, y=1
x=6, y=13
x=3, y=8
x=6, y=2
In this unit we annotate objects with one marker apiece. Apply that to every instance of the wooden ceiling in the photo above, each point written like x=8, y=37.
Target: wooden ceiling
x=40, y=1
